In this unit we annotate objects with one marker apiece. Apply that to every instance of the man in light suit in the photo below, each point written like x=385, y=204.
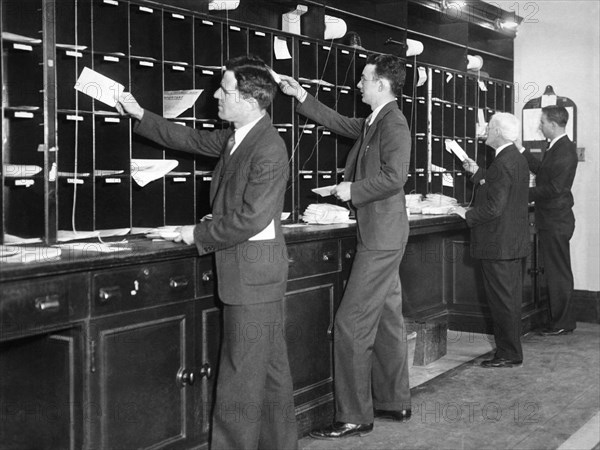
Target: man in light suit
x=370, y=348
x=500, y=235
x=554, y=216
x=254, y=401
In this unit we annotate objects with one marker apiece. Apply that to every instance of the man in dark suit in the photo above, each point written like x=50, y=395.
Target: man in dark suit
x=370, y=348
x=554, y=216
x=254, y=401
x=500, y=235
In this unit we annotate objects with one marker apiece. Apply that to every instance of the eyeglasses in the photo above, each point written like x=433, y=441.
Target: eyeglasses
x=228, y=91
x=363, y=79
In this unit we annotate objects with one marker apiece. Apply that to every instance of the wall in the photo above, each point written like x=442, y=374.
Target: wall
x=558, y=44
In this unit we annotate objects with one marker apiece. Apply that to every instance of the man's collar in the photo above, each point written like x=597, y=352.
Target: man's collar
x=553, y=141
x=376, y=111
x=502, y=147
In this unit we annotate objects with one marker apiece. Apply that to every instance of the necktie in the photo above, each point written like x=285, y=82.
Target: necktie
x=367, y=125
x=230, y=144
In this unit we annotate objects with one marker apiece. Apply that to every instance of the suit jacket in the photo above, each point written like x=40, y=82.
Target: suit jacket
x=378, y=166
x=552, y=192
x=247, y=193
x=499, y=218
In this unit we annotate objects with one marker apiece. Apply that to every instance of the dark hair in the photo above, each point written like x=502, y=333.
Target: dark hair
x=556, y=114
x=391, y=68
x=253, y=79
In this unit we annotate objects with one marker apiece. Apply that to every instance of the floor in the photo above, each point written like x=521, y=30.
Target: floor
x=551, y=402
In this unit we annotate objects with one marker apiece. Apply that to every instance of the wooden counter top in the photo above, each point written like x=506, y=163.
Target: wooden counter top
x=140, y=249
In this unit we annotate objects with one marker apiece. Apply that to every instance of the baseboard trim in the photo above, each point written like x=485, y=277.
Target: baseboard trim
x=586, y=306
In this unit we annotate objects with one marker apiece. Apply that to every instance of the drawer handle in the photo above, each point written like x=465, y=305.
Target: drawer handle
x=348, y=254
x=178, y=283
x=185, y=377
x=207, y=276
x=108, y=294
x=205, y=371
x=47, y=303
x=327, y=256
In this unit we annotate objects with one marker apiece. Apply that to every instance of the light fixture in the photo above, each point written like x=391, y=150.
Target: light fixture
x=506, y=24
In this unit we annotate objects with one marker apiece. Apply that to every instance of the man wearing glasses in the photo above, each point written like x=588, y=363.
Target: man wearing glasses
x=370, y=348
x=254, y=401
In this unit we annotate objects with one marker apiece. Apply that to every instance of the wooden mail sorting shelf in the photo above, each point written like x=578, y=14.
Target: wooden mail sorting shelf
x=157, y=48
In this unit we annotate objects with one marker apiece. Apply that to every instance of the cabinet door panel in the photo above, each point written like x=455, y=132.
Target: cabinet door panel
x=41, y=388
x=137, y=396
x=309, y=308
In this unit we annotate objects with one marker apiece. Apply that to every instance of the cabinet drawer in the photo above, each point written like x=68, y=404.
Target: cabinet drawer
x=313, y=258
x=140, y=286
x=31, y=306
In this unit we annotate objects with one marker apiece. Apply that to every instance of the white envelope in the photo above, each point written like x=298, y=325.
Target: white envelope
x=99, y=87
x=266, y=234
x=324, y=191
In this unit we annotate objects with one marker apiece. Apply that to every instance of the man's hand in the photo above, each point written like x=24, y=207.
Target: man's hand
x=186, y=234
x=127, y=105
x=459, y=211
x=342, y=191
x=291, y=87
x=470, y=165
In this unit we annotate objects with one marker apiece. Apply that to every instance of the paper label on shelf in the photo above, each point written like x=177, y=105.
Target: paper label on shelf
x=74, y=181
x=23, y=115
x=74, y=53
x=99, y=87
x=259, y=33
x=146, y=63
x=75, y=118
x=179, y=180
x=146, y=9
x=25, y=47
x=482, y=86
x=207, y=22
x=112, y=120
x=234, y=28
x=25, y=183
x=176, y=102
x=111, y=2
x=110, y=58
x=206, y=178
x=177, y=16
x=112, y=180
x=207, y=72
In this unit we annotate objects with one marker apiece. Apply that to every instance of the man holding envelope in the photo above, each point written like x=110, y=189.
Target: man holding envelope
x=370, y=348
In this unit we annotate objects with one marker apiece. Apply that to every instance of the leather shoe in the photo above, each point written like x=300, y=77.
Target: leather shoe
x=501, y=362
x=402, y=415
x=342, y=430
x=554, y=332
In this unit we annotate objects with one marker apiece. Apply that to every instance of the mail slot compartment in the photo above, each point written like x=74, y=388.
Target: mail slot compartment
x=28, y=308
x=313, y=258
x=128, y=288
x=206, y=277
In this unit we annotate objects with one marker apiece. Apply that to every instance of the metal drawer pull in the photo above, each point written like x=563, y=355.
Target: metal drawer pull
x=178, y=282
x=207, y=276
x=327, y=256
x=185, y=377
x=47, y=303
x=205, y=371
x=108, y=294
x=348, y=254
